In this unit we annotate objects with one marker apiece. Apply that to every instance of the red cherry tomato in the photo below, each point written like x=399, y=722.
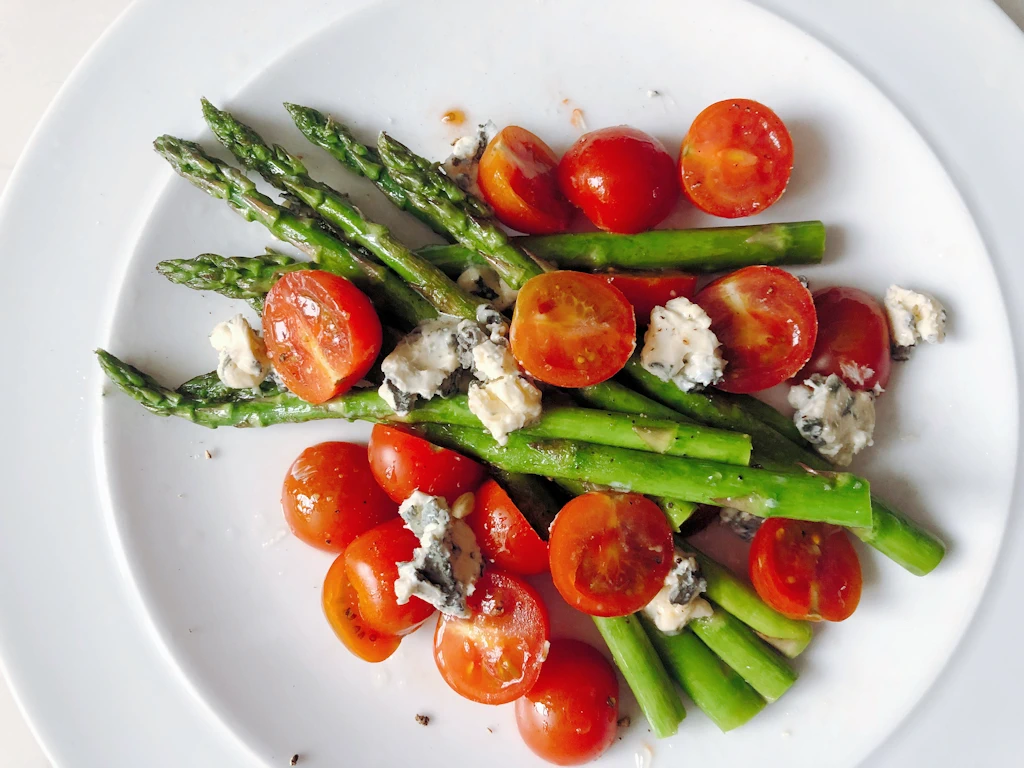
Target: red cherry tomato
x=805, y=570
x=765, y=319
x=341, y=606
x=403, y=463
x=610, y=552
x=517, y=175
x=736, y=159
x=495, y=656
x=853, y=339
x=503, y=533
x=371, y=565
x=571, y=715
x=330, y=496
x=645, y=291
x=623, y=179
x=572, y=329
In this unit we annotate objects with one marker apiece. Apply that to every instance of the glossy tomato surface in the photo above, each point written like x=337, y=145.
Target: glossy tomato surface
x=518, y=177
x=495, y=656
x=736, y=159
x=402, y=463
x=647, y=290
x=571, y=715
x=623, y=179
x=341, y=607
x=853, y=339
x=766, y=322
x=610, y=552
x=322, y=333
x=806, y=570
x=503, y=533
x=572, y=329
x=330, y=496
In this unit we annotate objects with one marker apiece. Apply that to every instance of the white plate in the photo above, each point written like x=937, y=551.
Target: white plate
x=153, y=615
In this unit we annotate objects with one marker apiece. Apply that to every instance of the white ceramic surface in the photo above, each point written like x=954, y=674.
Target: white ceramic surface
x=235, y=607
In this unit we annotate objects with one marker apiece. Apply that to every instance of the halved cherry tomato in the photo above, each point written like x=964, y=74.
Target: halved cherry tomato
x=610, y=552
x=853, y=339
x=736, y=159
x=571, y=715
x=371, y=565
x=341, y=606
x=805, y=570
x=572, y=329
x=322, y=333
x=765, y=319
x=495, y=656
x=645, y=291
x=503, y=533
x=517, y=175
x=623, y=179
x=330, y=497
x=403, y=463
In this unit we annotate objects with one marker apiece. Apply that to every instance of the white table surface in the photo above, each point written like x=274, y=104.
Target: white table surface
x=36, y=56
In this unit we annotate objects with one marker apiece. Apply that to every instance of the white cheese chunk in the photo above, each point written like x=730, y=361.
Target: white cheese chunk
x=243, y=362
x=447, y=562
x=679, y=601
x=423, y=364
x=505, y=404
x=493, y=360
x=680, y=346
x=485, y=283
x=838, y=422
x=462, y=164
x=914, y=317
x=743, y=524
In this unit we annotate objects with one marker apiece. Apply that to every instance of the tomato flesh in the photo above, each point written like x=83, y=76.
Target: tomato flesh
x=647, y=291
x=341, y=607
x=402, y=463
x=623, y=179
x=571, y=715
x=766, y=322
x=806, y=570
x=572, y=329
x=853, y=339
x=610, y=552
x=495, y=656
x=736, y=159
x=371, y=566
x=517, y=176
x=330, y=497
x=322, y=333
x=503, y=533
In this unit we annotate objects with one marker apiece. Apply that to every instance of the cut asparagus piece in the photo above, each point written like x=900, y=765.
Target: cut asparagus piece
x=644, y=671
x=287, y=172
x=236, y=277
x=220, y=180
x=715, y=687
x=715, y=249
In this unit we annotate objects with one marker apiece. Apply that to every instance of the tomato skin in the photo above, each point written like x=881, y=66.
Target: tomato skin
x=322, y=333
x=736, y=159
x=495, y=656
x=329, y=496
x=853, y=339
x=806, y=570
x=341, y=607
x=645, y=291
x=371, y=565
x=766, y=322
x=403, y=462
x=623, y=179
x=610, y=552
x=571, y=715
x=572, y=329
x=504, y=535
x=517, y=176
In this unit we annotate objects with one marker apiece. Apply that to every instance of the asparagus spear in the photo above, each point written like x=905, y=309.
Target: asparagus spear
x=644, y=672
x=236, y=277
x=231, y=185
x=288, y=173
x=714, y=249
x=710, y=683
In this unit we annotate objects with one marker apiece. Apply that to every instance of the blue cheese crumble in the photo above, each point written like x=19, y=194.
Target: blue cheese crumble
x=914, y=317
x=679, y=601
x=838, y=422
x=680, y=346
x=243, y=361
